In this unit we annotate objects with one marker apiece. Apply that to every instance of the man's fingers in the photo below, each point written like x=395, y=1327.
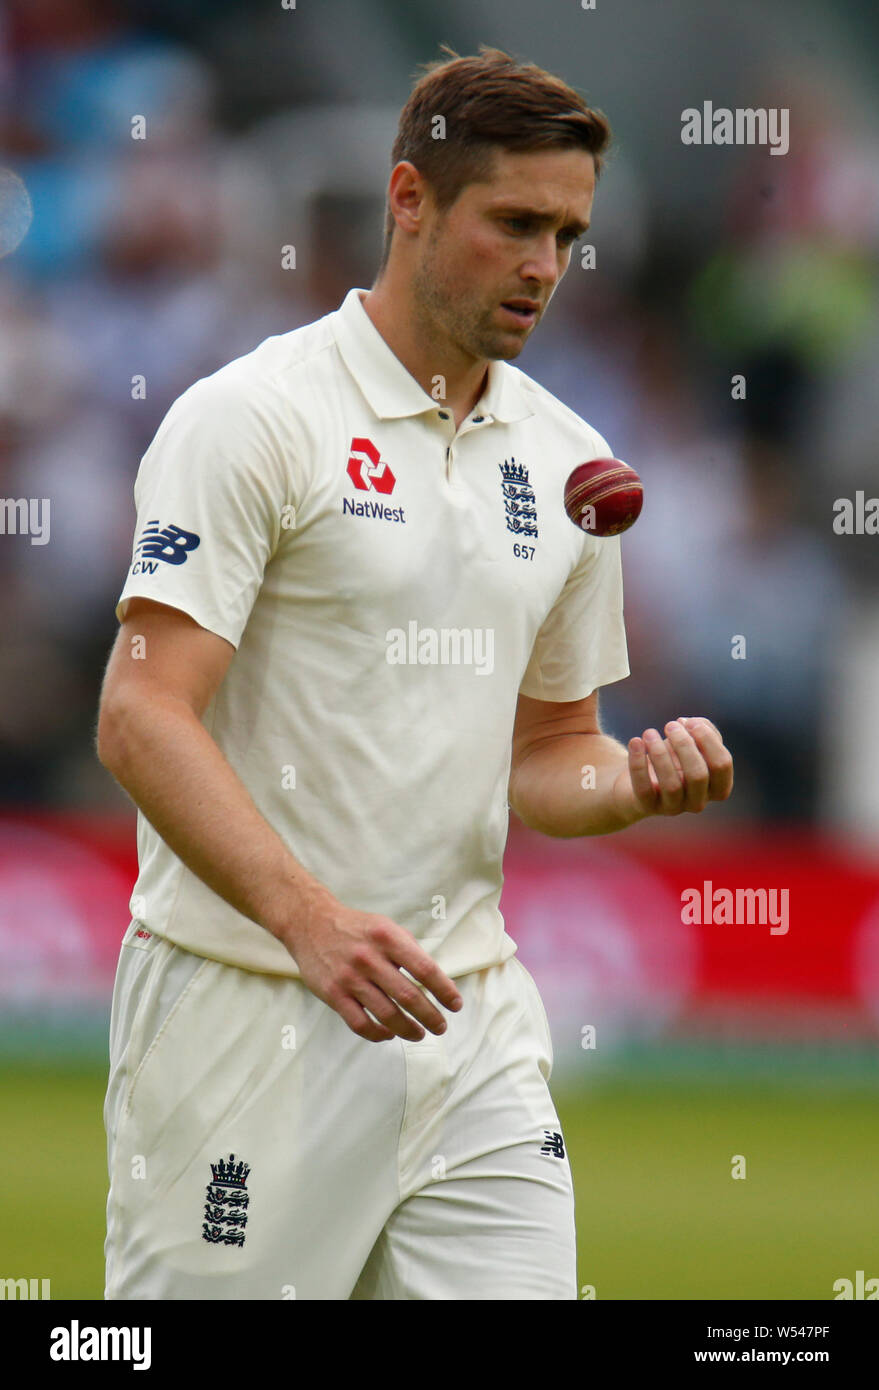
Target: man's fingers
x=399, y=988
x=376, y=976
x=409, y=956
x=682, y=772
x=359, y=1021
x=644, y=785
x=671, y=784
x=694, y=769
x=717, y=756
x=701, y=722
x=385, y=1010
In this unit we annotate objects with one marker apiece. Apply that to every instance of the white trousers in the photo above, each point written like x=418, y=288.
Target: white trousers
x=258, y=1149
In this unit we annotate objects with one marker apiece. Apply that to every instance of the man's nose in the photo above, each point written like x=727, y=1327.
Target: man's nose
x=543, y=264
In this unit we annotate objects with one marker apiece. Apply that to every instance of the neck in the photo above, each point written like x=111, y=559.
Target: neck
x=424, y=352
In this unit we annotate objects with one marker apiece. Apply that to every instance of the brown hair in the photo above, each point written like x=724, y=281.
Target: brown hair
x=487, y=101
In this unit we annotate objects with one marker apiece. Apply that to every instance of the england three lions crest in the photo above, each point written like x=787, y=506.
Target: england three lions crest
x=226, y=1202
x=518, y=498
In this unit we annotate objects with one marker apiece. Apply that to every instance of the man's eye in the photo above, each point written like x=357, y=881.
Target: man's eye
x=520, y=224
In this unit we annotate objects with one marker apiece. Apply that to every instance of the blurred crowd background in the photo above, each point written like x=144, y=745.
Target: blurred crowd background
x=160, y=257
x=130, y=267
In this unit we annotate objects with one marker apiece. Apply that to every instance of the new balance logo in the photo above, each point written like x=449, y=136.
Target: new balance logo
x=365, y=467
x=554, y=1144
x=170, y=543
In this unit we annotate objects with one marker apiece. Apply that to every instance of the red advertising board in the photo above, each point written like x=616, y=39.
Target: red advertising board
x=639, y=937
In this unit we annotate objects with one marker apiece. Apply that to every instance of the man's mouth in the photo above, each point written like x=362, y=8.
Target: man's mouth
x=523, y=310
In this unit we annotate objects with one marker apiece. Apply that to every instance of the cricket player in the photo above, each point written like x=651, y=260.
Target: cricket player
x=357, y=627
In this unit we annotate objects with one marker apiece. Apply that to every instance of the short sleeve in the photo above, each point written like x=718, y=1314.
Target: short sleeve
x=210, y=495
x=582, y=642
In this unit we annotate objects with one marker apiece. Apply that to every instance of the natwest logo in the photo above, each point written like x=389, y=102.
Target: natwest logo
x=366, y=469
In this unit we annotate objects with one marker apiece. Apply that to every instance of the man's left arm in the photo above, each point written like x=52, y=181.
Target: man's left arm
x=567, y=778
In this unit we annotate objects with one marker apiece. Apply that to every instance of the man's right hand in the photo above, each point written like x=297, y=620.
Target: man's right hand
x=353, y=961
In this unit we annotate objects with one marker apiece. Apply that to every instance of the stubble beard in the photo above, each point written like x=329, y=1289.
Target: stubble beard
x=438, y=308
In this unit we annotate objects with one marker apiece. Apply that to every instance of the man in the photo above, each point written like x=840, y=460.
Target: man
x=357, y=620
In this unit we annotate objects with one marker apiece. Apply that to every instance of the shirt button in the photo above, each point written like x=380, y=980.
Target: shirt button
x=443, y=415
x=478, y=419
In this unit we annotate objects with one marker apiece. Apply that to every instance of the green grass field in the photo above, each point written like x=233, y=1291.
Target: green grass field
x=659, y=1216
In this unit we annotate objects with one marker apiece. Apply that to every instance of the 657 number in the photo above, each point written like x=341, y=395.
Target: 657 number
x=524, y=552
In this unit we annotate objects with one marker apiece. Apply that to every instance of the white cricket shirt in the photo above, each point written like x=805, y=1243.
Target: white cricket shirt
x=390, y=586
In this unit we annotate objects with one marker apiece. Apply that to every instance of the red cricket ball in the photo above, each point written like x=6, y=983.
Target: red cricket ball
x=603, y=497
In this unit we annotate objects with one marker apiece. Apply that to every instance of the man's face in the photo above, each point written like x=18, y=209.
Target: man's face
x=506, y=240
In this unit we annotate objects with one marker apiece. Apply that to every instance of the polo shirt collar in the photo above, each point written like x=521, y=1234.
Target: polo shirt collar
x=392, y=390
